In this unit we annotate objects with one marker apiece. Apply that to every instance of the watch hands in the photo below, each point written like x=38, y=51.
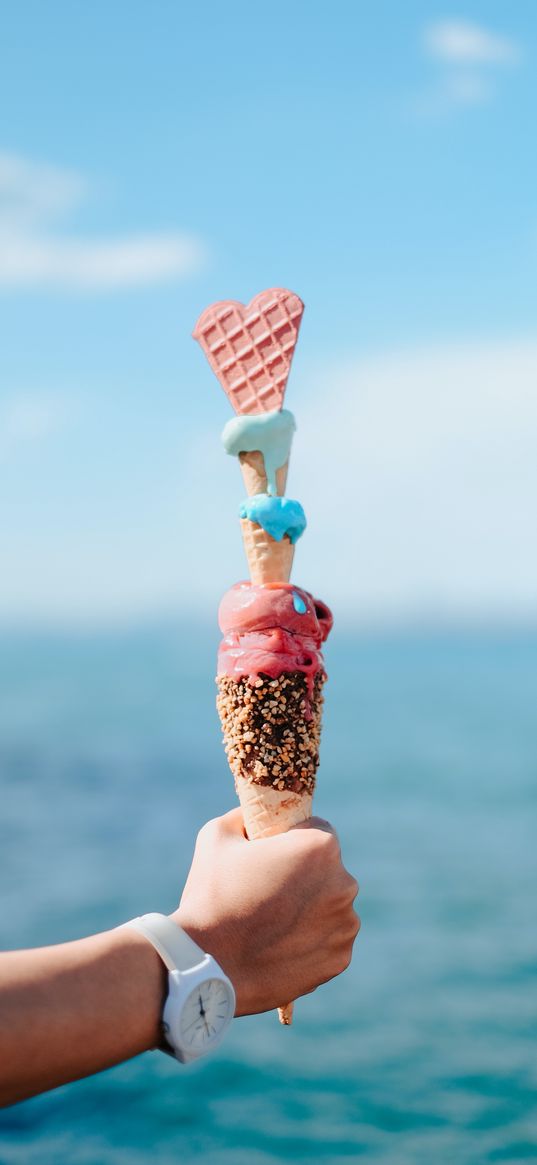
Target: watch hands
x=195, y=1022
x=203, y=1014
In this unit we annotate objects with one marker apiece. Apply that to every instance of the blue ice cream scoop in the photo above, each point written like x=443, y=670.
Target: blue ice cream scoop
x=278, y=516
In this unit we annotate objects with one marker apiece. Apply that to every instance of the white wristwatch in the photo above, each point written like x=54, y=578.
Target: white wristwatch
x=201, y=1000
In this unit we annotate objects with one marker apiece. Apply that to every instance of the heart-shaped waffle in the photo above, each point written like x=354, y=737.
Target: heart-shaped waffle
x=250, y=348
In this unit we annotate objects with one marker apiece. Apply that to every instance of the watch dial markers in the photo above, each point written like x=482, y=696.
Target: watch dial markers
x=205, y=1014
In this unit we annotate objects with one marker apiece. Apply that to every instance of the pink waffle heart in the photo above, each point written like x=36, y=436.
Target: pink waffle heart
x=250, y=348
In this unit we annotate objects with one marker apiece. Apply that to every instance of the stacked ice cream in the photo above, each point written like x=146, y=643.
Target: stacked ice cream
x=270, y=667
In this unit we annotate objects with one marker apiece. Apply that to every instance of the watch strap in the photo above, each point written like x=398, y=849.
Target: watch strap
x=177, y=950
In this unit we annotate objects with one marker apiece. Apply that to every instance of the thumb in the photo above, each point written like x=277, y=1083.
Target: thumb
x=231, y=825
x=315, y=823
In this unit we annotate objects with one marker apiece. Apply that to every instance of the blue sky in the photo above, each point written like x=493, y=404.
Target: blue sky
x=378, y=160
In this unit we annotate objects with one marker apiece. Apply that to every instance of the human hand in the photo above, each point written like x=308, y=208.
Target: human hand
x=276, y=914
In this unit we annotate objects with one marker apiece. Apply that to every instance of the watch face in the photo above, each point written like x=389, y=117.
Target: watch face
x=205, y=1014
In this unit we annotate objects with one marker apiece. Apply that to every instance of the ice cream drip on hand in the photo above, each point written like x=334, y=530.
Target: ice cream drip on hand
x=278, y=516
x=269, y=433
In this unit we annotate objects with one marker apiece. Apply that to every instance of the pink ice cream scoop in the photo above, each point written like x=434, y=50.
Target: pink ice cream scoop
x=271, y=629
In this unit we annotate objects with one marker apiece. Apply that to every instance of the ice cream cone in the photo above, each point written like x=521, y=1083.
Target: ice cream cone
x=254, y=475
x=269, y=561
x=272, y=731
x=268, y=811
x=270, y=668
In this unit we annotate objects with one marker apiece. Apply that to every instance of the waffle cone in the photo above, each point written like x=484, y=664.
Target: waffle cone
x=273, y=752
x=254, y=476
x=268, y=560
x=250, y=348
x=268, y=811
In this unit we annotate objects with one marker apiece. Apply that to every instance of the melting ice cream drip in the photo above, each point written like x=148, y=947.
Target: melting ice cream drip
x=278, y=516
x=269, y=433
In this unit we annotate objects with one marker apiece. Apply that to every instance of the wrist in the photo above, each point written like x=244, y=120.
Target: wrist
x=146, y=980
x=200, y=1000
x=219, y=941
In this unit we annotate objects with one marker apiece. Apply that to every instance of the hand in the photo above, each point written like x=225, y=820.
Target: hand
x=277, y=913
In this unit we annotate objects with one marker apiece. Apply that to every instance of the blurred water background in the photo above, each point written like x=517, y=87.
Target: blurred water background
x=425, y=1050
x=376, y=159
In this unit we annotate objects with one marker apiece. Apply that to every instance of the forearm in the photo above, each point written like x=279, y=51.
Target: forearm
x=71, y=1010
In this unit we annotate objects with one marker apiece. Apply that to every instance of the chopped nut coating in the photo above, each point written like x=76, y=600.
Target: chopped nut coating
x=280, y=722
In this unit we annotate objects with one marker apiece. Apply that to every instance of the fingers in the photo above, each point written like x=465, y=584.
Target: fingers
x=229, y=825
x=353, y=887
x=323, y=836
x=315, y=823
x=316, y=834
x=232, y=823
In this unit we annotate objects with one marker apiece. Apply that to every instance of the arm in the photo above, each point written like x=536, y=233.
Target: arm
x=277, y=916
x=70, y=1010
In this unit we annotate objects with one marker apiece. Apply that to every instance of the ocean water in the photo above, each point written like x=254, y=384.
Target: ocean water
x=425, y=1051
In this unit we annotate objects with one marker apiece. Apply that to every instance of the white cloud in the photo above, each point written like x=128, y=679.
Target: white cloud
x=455, y=90
x=33, y=253
x=419, y=475
x=463, y=43
x=467, y=58
x=30, y=192
x=27, y=260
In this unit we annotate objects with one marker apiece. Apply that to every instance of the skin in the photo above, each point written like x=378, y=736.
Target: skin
x=278, y=917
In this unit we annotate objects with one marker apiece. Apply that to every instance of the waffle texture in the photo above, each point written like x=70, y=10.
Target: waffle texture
x=266, y=811
x=250, y=348
x=269, y=561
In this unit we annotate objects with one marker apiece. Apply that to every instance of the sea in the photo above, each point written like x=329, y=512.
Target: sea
x=425, y=1050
